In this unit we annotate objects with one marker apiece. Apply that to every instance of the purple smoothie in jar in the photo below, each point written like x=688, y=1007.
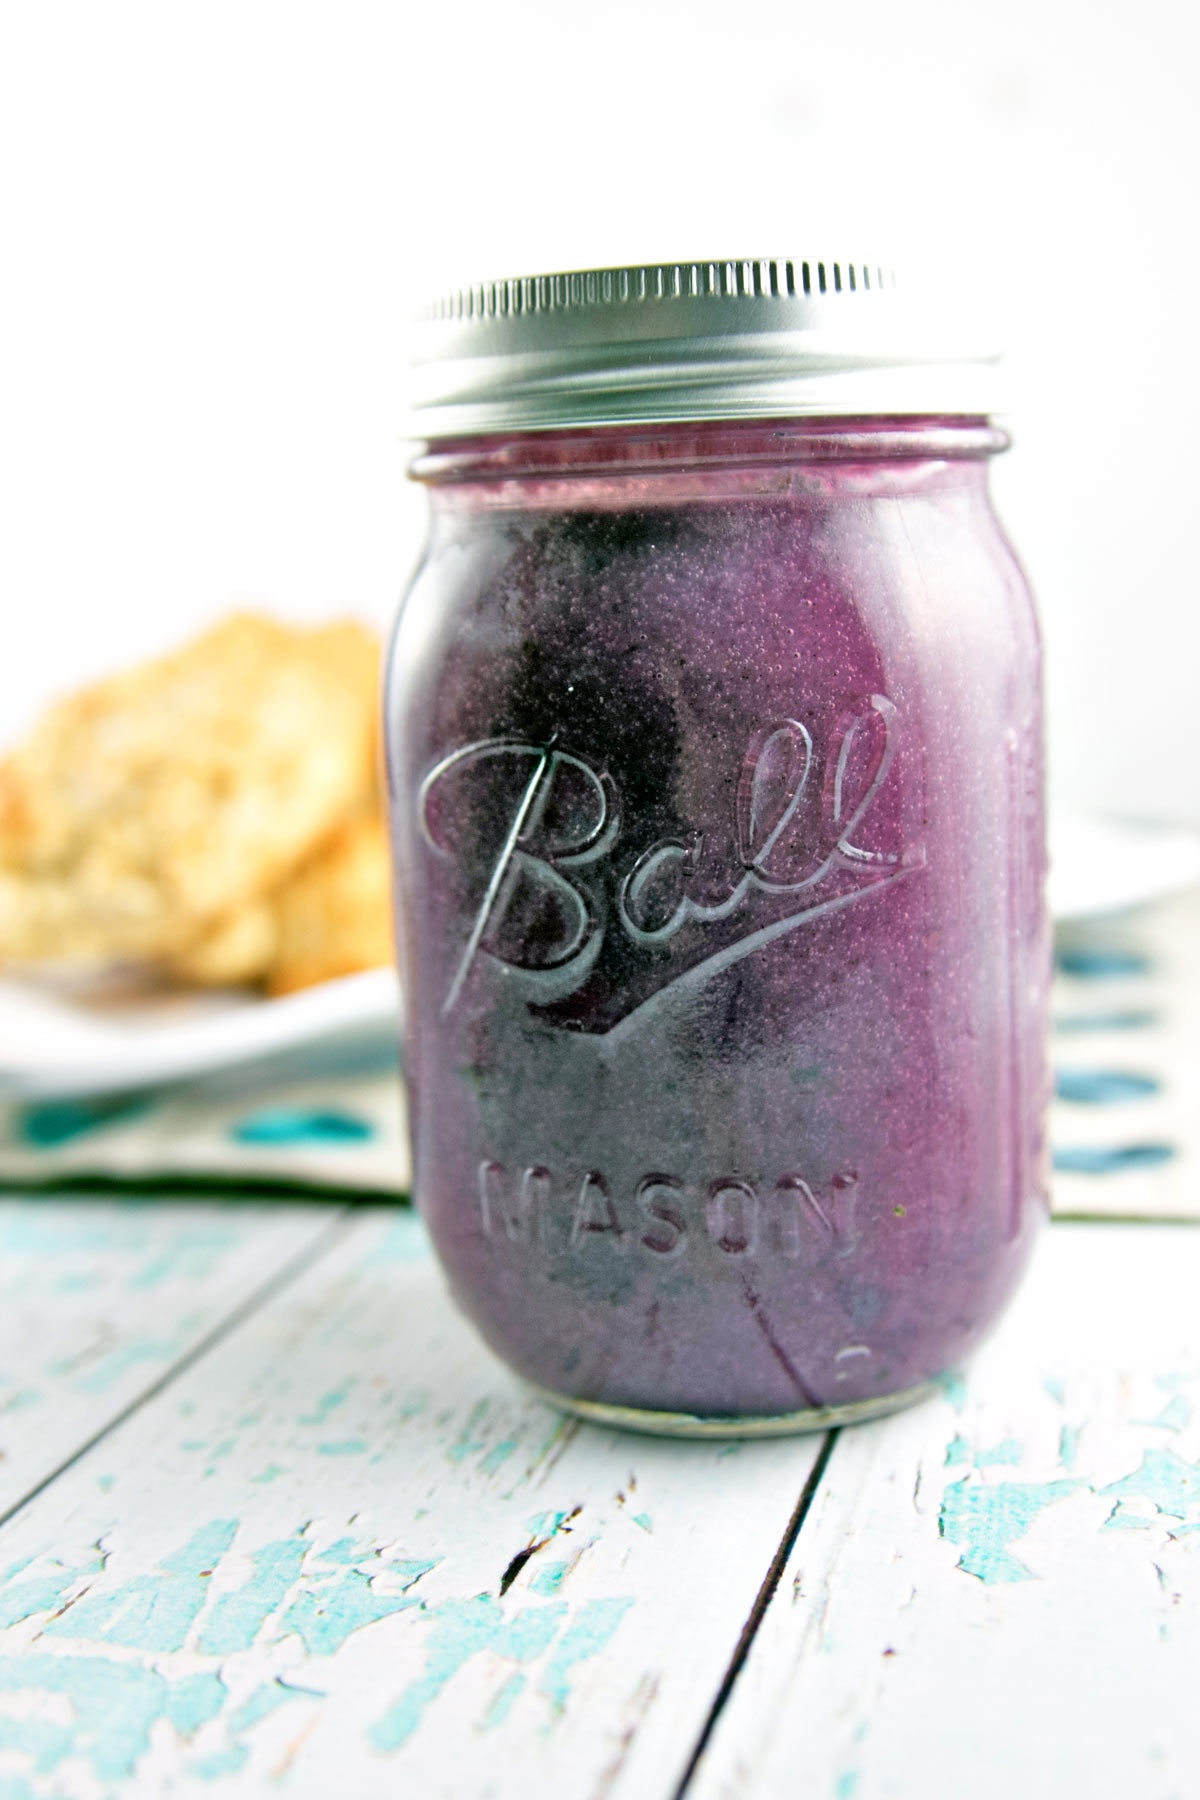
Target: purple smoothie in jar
x=715, y=755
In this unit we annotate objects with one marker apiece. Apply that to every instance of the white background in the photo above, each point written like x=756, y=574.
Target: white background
x=215, y=217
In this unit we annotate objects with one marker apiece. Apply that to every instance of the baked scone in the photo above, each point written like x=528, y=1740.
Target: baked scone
x=331, y=917
x=335, y=915
x=160, y=805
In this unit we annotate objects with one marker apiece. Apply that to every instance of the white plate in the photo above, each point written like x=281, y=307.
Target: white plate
x=54, y=1045
x=51, y=1044
x=1100, y=865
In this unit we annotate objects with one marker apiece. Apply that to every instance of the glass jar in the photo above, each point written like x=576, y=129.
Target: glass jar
x=714, y=736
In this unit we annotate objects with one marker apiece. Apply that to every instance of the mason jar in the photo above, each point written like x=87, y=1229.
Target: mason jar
x=715, y=755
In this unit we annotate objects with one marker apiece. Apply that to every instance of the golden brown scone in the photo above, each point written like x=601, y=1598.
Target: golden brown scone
x=148, y=808
x=232, y=952
x=335, y=916
x=331, y=917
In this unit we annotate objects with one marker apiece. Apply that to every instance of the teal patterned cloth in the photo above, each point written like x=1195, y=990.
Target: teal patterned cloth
x=339, y=1129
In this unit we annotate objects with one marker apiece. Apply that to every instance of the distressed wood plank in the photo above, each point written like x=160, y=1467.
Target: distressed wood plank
x=347, y=1552
x=998, y=1593
x=99, y=1299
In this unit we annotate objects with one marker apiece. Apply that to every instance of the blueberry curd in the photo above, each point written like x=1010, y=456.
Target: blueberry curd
x=714, y=748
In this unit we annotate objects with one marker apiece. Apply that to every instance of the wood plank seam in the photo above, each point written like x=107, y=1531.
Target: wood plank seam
x=276, y=1283
x=765, y=1595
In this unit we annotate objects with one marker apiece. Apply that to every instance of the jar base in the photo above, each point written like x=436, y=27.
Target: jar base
x=693, y=1425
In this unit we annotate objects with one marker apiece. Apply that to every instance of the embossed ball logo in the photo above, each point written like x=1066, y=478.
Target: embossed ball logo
x=555, y=886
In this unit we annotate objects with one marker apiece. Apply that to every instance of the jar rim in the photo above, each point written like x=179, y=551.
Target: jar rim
x=574, y=453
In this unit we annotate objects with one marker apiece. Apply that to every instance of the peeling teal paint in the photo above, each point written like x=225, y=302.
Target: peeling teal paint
x=220, y=1763
x=202, y=1549
x=957, y=1451
x=846, y=1785
x=118, y=1362
x=545, y=1524
x=191, y=1255
x=264, y=1700
x=561, y=1427
x=1176, y=1415
x=1163, y=1477
x=153, y=1273
x=645, y=1520
x=467, y=1442
x=406, y=1241
x=344, y=1447
x=235, y=1619
x=1056, y=1387
x=410, y=1569
x=1007, y=1453
x=115, y=1705
x=45, y=1744
x=13, y=1787
x=20, y=1401
x=148, y=1612
x=342, y=1552
x=193, y=1701
x=43, y=1593
x=497, y=1456
x=987, y=1519
x=272, y=1472
x=1122, y=1518
x=524, y=1637
x=1068, y=1445
x=1178, y=1411
x=500, y=1705
x=586, y=1635
x=549, y=1578
x=955, y=1390
x=461, y=1629
x=323, y=1618
x=326, y=1404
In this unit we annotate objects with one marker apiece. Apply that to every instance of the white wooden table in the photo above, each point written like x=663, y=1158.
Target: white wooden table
x=273, y=1522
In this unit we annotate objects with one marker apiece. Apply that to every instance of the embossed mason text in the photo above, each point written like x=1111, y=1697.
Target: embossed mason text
x=665, y=1215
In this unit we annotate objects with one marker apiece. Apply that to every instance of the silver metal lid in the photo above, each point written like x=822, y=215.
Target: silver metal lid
x=754, y=338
